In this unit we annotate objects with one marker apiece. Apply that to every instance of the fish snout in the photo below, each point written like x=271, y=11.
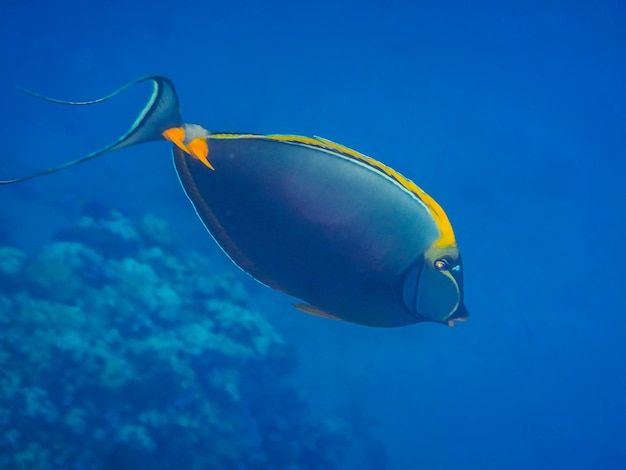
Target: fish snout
x=460, y=315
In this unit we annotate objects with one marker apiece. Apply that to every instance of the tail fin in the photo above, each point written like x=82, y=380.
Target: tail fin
x=160, y=113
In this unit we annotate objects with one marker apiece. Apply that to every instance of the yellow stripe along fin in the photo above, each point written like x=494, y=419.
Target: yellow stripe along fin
x=446, y=238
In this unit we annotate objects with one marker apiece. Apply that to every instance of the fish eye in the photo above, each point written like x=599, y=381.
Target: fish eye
x=443, y=264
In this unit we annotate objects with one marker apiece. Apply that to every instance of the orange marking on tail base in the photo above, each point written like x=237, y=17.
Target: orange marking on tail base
x=197, y=148
x=175, y=135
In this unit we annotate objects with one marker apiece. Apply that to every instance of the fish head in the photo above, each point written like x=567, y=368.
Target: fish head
x=435, y=286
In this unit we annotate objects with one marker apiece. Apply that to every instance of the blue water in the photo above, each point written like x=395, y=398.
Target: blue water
x=511, y=115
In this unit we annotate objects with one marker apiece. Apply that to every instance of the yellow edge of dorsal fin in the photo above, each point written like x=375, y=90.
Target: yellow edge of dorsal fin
x=446, y=234
x=446, y=238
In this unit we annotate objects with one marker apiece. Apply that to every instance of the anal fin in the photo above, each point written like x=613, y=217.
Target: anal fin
x=311, y=310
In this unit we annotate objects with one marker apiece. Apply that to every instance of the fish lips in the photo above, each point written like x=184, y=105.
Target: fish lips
x=460, y=315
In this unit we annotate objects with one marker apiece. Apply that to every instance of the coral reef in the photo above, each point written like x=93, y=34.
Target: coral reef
x=118, y=352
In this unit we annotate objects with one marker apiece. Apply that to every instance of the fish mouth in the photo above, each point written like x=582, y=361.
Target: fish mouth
x=460, y=315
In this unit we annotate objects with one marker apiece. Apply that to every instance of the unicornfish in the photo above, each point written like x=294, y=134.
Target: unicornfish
x=349, y=237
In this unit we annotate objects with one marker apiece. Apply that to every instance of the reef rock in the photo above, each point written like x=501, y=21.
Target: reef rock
x=118, y=353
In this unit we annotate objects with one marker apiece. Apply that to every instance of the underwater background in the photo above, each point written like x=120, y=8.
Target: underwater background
x=128, y=340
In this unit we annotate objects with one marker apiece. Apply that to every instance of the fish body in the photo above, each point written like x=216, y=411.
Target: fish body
x=348, y=236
